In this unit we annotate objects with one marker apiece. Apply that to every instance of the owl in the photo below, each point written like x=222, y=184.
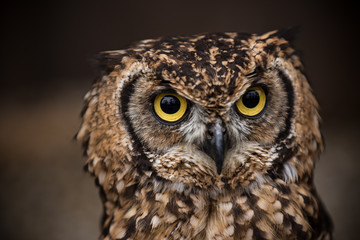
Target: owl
x=211, y=136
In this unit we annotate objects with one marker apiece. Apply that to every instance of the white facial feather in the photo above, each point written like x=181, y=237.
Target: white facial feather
x=194, y=128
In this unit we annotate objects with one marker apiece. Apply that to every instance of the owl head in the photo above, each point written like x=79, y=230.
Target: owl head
x=211, y=111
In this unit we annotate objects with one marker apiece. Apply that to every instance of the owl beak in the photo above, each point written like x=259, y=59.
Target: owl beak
x=215, y=144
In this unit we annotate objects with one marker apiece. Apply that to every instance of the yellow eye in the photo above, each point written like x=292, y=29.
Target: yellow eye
x=170, y=107
x=252, y=102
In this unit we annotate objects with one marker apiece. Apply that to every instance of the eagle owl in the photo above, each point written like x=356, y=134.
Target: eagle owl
x=211, y=136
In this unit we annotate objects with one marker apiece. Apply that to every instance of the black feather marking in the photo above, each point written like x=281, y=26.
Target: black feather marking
x=130, y=229
x=290, y=104
x=141, y=160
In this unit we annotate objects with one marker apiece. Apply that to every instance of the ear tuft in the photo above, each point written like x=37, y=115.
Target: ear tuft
x=288, y=34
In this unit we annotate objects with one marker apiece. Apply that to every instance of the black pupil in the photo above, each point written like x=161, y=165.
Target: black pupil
x=170, y=104
x=251, y=99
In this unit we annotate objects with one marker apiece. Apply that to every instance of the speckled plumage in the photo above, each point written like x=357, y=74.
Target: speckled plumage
x=157, y=182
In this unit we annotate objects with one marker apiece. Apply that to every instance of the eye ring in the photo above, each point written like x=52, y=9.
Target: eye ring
x=169, y=108
x=252, y=103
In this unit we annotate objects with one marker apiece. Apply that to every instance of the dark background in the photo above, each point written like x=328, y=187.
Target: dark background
x=45, y=72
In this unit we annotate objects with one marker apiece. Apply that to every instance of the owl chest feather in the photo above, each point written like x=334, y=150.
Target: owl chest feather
x=271, y=211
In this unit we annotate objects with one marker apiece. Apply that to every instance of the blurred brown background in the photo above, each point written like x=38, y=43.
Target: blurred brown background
x=45, y=68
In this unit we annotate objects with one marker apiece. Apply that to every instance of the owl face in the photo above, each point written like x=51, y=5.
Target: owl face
x=208, y=110
x=173, y=124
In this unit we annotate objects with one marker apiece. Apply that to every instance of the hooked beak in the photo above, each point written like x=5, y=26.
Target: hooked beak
x=215, y=144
